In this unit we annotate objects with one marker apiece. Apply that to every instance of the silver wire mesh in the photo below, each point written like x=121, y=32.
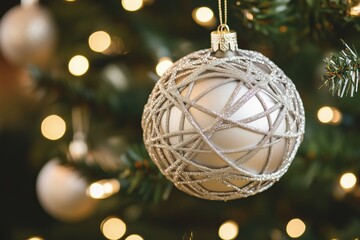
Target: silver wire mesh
x=179, y=153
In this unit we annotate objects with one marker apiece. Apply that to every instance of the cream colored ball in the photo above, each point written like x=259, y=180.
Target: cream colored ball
x=27, y=35
x=223, y=128
x=228, y=139
x=61, y=192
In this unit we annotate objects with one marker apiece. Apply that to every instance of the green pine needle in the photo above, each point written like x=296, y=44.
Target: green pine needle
x=342, y=72
x=139, y=176
x=143, y=177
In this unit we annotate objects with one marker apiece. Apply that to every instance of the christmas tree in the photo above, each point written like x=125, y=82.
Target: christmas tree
x=76, y=74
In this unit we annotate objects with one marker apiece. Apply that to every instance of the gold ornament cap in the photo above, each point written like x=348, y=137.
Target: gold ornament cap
x=223, y=39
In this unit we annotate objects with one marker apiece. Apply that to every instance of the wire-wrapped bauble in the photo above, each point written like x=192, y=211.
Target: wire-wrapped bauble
x=222, y=128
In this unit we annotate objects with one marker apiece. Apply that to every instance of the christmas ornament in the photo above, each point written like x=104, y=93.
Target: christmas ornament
x=27, y=34
x=78, y=147
x=223, y=123
x=62, y=192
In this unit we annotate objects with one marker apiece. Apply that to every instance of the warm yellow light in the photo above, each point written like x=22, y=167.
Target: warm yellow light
x=325, y=114
x=134, y=237
x=132, y=5
x=53, y=127
x=96, y=190
x=113, y=228
x=355, y=11
x=204, y=14
x=337, y=116
x=283, y=29
x=36, y=238
x=78, y=65
x=329, y=115
x=108, y=187
x=99, y=41
x=295, y=228
x=249, y=16
x=103, y=188
x=163, y=65
x=228, y=230
x=69, y=0
x=348, y=180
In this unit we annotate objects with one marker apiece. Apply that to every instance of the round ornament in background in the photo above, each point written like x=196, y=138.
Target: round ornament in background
x=27, y=34
x=223, y=123
x=62, y=192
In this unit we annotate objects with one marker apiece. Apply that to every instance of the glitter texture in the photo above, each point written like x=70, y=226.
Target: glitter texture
x=260, y=112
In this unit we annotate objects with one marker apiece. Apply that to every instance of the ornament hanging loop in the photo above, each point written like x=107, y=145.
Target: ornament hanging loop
x=223, y=28
x=28, y=3
x=78, y=147
x=80, y=121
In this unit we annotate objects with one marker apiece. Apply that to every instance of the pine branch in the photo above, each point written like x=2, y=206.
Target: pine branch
x=312, y=19
x=137, y=174
x=342, y=72
x=96, y=92
x=265, y=16
x=143, y=177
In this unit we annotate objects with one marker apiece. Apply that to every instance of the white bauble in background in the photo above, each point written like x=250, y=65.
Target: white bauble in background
x=27, y=35
x=62, y=192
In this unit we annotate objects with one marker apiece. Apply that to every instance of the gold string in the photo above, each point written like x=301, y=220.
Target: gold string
x=223, y=19
x=80, y=120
